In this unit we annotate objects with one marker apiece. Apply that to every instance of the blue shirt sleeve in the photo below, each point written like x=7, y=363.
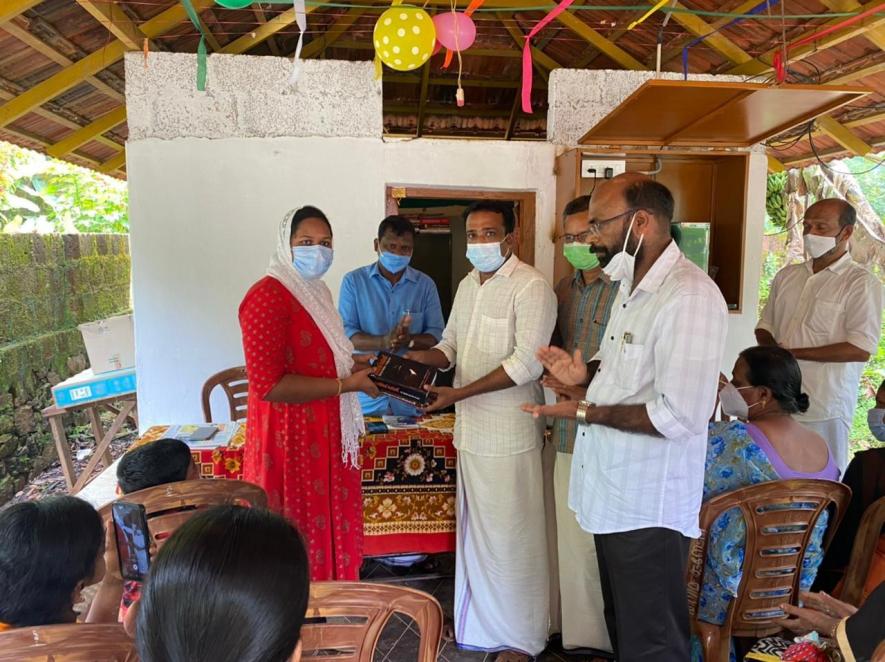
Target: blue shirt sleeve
x=433, y=317
x=347, y=306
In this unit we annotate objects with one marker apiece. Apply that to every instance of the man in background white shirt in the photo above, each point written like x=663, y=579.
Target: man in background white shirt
x=638, y=468
x=503, y=313
x=828, y=313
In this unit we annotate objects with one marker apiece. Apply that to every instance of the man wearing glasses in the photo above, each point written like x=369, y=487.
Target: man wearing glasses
x=585, y=304
x=638, y=468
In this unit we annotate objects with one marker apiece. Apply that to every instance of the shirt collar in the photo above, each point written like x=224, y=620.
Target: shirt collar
x=578, y=279
x=837, y=267
x=660, y=269
x=410, y=274
x=506, y=270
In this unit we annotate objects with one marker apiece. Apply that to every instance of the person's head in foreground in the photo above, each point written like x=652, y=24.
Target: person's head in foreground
x=230, y=585
x=490, y=225
x=876, y=415
x=765, y=380
x=827, y=226
x=309, y=243
x=49, y=551
x=157, y=463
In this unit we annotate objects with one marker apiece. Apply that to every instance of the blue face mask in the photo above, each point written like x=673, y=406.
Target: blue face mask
x=876, y=421
x=311, y=262
x=394, y=263
x=485, y=257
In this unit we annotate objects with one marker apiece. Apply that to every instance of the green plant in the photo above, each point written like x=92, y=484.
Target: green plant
x=776, y=199
x=41, y=194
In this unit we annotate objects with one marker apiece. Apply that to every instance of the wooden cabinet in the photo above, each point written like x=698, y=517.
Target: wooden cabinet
x=707, y=187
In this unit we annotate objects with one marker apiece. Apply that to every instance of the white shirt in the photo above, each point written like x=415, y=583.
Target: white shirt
x=842, y=303
x=663, y=348
x=501, y=323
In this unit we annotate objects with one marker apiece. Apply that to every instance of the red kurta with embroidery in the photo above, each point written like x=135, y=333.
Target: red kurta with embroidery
x=293, y=451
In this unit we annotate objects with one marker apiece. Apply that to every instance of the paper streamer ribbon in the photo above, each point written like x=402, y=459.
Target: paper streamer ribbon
x=201, y=48
x=472, y=7
x=527, y=54
x=301, y=21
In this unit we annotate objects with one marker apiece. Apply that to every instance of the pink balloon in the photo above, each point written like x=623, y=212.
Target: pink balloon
x=451, y=24
x=437, y=47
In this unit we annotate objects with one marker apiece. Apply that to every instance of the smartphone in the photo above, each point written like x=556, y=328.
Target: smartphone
x=202, y=434
x=133, y=539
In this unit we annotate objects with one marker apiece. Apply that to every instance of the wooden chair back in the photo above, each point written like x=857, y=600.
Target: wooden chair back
x=235, y=385
x=356, y=613
x=780, y=517
x=74, y=642
x=169, y=506
x=862, y=552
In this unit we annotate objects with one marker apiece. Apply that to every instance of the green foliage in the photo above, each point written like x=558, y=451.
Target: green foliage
x=776, y=199
x=41, y=194
x=870, y=177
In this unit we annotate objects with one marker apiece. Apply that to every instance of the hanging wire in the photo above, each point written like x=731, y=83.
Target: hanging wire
x=830, y=168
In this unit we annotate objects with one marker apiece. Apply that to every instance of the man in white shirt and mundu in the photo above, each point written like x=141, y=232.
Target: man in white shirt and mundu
x=638, y=468
x=503, y=313
x=828, y=313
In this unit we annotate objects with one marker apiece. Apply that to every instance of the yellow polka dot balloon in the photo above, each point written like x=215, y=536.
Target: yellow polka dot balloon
x=404, y=37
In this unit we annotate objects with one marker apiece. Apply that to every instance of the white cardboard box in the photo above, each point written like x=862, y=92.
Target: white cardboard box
x=110, y=343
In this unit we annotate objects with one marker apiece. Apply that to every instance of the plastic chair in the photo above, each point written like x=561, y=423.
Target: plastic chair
x=169, y=506
x=862, y=552
x=67, y=643
x=780, y=517
x=236, y=387
x=355, y=615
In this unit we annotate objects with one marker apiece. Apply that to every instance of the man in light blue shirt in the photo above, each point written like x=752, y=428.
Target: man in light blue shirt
x=389, y=306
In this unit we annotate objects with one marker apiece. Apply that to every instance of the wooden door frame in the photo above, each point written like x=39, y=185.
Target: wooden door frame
x=525, y=218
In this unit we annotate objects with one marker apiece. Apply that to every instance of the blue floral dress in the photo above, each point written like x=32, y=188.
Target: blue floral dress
x=735, y=460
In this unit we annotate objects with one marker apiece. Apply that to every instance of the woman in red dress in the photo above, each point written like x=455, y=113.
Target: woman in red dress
x=304, y=420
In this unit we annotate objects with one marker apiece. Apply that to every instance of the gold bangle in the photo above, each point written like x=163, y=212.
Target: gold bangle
x=340, y=387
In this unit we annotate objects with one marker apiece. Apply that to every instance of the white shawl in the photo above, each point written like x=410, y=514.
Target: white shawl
x=316, y=298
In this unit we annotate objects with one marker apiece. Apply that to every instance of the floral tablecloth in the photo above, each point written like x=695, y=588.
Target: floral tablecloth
x=408, y=480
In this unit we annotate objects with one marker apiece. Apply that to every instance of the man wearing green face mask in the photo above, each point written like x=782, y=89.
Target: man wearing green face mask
x=585, y=302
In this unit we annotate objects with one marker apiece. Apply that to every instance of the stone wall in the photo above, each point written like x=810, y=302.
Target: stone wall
x=48, y=285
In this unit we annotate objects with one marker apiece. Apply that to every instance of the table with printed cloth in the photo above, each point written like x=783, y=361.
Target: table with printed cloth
x=408, y=481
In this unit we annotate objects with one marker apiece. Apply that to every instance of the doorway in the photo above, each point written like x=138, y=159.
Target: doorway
x=440, y=238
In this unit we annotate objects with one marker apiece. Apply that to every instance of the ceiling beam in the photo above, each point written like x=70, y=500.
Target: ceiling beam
x=774, y=165
x=115, y=21
x=609, y=48
x=836, y=151
x=715, y=40
x=472, y=52
x=263, y=32
x=876, y=35
x=262, y=18
x=333, y=33
x=538, y=56
x=82, y=136
x=857, y=74
x=114, y=163
x=207, y=32
x=75, y=73
x=453, y=82
x=48, y=51
x=762, y=64
x=843, y=135
x=9, y=9
x=514, y=114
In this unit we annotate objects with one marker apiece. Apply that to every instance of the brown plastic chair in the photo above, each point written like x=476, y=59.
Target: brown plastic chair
x=780, y=517
x=862, y=552
x=356, y=613
x=236, y=387
x=171, y=505
x=68, y=643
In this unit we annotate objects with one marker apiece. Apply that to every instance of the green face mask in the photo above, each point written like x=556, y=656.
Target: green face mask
x=580, y=256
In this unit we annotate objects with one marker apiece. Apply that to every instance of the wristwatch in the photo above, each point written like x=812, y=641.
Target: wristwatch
x=581, y=415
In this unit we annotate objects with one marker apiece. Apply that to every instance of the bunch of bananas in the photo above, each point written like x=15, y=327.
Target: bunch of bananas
x=776, y=199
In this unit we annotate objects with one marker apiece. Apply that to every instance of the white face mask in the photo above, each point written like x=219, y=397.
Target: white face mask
x=623, y=265
x=733, y=403
x=876, y=421
x=817, y=246
x=486, y=258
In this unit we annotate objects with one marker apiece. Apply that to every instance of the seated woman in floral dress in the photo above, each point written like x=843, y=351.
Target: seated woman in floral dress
x=764, y=444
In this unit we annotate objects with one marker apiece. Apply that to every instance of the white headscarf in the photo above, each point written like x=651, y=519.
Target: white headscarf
x=316, y=298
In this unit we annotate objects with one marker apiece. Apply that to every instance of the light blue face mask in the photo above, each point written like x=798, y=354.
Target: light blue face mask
x=876, y=421
x=311, y=262
x=392, y=262
x=485, y=257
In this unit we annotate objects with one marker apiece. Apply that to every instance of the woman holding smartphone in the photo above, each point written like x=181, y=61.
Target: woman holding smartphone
x=304, y=420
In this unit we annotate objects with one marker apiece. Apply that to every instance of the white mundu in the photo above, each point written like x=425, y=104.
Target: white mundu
x=502, y=590
x=842, y=303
